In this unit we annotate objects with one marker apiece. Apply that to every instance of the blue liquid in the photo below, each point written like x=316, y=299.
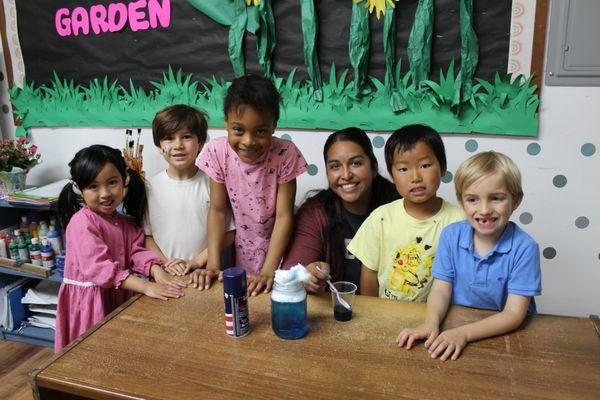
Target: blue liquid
x=289, y=319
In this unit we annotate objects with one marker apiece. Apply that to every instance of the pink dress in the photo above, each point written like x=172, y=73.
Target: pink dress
x=252, y=191
x=102, y=251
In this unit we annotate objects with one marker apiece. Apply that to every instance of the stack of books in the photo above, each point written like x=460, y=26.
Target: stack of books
x=41, y=196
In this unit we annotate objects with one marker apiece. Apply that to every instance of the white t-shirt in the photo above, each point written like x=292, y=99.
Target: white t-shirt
x=177, y=214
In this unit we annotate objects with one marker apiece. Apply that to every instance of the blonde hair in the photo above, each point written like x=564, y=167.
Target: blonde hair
x=486, y=164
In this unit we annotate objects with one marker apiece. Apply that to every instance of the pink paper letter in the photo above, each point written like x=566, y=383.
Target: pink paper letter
x=80, y=21
x=159, y=13
x=62, y=22
x=136, y=16
x=117, y=10
x=98, y=19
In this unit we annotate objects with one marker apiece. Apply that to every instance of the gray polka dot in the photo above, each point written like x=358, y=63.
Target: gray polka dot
x=313, y=169
x=559, y=181
x=549, y=253
x=1, y=76
x=378, y=142
x=588, y=149
x=471, y=145
x=447, y=178
x=533, y=149
x=582, y=222
x=5, y=109
x=287, y=137
x=526, y=218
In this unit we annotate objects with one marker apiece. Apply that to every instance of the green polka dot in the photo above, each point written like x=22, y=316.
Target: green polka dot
x=533, y=149
x=471, y=145
x=559, y=181
x=5, y=109
x=287, y=137
x=588, y=149
x=313, y=170
x=378, y=142
x=447, y=178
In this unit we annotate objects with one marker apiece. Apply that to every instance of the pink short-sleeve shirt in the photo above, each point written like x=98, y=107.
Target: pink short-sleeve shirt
x=252, y=191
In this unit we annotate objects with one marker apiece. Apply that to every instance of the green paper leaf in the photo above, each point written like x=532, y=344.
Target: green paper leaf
x=310, y=35
x=419, y=41
x=359, y=43
x=235, y=47
x=265, y=40
x=469, y=51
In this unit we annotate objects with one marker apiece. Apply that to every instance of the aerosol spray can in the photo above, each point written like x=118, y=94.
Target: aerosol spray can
x=237, y=323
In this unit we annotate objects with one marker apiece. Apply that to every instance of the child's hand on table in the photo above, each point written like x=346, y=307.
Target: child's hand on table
x=179, y=267
x=319, y=271
x=162, y=291
x=201, y=278
x=262, y=283
x=162, y=277
x=408, y=336
x=448, y=345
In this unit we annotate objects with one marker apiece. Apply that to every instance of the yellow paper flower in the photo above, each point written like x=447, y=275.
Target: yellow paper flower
x=256, y=2
x=378, y=5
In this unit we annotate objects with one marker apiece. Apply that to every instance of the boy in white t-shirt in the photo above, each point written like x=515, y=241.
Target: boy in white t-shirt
x=178, y=197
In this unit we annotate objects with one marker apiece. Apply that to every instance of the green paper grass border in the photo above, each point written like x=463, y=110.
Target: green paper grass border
x=502, y=107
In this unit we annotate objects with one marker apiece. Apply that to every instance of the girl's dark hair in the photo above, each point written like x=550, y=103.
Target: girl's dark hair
x=85, y=167
x=383, y=191
x=255, y=91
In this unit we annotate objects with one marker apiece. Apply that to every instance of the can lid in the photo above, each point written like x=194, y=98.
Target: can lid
x=234, y=281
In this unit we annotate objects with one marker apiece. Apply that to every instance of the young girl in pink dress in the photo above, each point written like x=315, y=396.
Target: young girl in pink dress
x=255, y=174
x=104, y=248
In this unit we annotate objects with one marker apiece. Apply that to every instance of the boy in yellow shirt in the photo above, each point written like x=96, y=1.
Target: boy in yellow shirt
x=396, y=244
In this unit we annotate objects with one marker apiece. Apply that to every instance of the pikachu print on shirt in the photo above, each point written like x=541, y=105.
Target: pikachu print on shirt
x=411, y=270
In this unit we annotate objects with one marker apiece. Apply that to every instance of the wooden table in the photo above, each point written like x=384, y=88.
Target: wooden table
x=178, y=349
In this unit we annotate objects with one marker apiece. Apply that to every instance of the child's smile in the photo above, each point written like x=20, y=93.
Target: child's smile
x=180, y=151
x=249, y=133
x=488, y=205
x=106, y=192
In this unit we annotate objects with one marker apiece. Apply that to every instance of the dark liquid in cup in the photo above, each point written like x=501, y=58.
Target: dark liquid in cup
x=341, y=313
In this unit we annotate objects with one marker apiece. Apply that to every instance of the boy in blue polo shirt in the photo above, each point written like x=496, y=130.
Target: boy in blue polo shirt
x=485, y=262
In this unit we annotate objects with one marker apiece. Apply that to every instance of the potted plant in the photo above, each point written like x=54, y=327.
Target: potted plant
x=17, y=157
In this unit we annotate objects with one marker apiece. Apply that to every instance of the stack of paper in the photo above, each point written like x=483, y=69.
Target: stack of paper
x=42, y=301
x=42, y=196
x=10, y=288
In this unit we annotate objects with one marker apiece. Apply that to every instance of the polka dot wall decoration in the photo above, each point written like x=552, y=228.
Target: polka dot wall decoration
x=1, y=76
x=533, y=149
x=447, y=178
x=471, y=145
x=287, y=137
x=582, y=222
x=549, y=253
x=378, y=142
x=526, y=218
x=5, y=109
x=559, y=181
x=313, y=169
x=588, y=149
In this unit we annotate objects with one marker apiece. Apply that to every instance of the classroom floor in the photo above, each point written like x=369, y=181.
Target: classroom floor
x=16, y=361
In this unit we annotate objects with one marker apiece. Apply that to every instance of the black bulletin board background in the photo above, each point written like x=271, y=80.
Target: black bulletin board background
x=198, y=45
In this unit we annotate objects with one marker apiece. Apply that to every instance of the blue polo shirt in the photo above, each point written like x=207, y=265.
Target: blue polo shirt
x=513, y=266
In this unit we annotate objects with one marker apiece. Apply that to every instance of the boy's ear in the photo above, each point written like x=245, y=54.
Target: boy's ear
x=126, y=183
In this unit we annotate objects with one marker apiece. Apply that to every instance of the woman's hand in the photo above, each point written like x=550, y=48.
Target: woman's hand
x=449, y=344
x=262, y=283
x=162, y=291
x=408, y=336
x=319, y=271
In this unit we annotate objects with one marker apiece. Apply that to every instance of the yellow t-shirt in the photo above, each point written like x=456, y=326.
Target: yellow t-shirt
x=401, y=248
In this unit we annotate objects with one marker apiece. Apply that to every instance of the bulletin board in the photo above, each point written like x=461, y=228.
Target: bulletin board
x=376, y=64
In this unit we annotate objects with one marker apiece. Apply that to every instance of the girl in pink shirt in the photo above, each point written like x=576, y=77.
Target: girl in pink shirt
x=255, y=174
x=104, y=248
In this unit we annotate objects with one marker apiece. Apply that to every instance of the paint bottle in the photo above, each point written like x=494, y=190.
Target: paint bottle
x=33, y=229
x=24, y=227
x=23, y=250
x=13, y=248
x=54, y=240
x=288, y=303
x=35, y=252
x=47, y=254
x=43, y=231
x=3, y=249
x=237, y=323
